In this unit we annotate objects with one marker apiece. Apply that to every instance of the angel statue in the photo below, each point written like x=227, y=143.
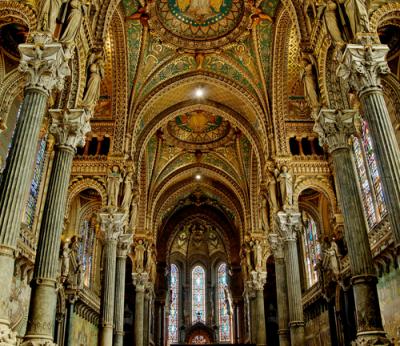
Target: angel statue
x=128, y=192
x=310, y=85
x=50, y=10
x=96, y=74
x=357, y=12
x=328, y=11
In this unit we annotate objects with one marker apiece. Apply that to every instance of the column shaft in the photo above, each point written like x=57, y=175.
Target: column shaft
x=261, y=333
x=296, y=323
x=44, y=294
x=14, y=187
x=361, y=265
x=282, y=300
x=139, y=316
x=119, y=301
x=387, y=152
x=110, y=253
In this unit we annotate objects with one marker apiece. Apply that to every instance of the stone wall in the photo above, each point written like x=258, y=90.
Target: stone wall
x=389, y=297
x=84, y=333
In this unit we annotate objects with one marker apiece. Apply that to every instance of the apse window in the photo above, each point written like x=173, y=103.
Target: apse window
x=173, y=305
x=198, y=295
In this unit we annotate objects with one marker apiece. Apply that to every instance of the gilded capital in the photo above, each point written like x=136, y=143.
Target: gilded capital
x=44, y=62
x=363, y=65
x=112, y=224
x=335, y=127
x=69, y=127
x=288, y=225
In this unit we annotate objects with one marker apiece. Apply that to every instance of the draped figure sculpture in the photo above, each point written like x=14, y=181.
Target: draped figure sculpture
x=128, y=192
x=74, y=20
x=48, y=15
x=328, y=11
x=357, y=13
x=310, y=85
x=286, y=187
x=96, y=74
x=114, y=181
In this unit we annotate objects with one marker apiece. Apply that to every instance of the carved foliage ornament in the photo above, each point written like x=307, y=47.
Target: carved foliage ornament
x=45, y=63
x=363, y=65
x=335, y=127
x=70, y=127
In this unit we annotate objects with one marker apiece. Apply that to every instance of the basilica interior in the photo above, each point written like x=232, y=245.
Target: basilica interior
x=211, y=172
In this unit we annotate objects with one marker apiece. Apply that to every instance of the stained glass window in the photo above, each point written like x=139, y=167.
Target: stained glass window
x=224, y=316
x=369, y=178
x=173, y=305
x=35, y=184
x=312, y=249
x=198, y=295
x=88, y=235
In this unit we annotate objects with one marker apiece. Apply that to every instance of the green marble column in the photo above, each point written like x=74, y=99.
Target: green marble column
x=334, y=129
x=277, y=248
x=45, y=66
x=362, y=66
x=69, y=128
x=112, y=224
x=289, y=224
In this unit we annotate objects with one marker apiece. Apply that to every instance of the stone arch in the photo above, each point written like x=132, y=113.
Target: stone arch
x=385, y=12
x=84, y=184
x=17, y=12
x=319, y=185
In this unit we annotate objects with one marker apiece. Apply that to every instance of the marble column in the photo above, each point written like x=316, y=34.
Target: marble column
x=122, y=250
x=112, y=224
x=70, y=312
x=258, y=280
x=362, y=66
x=45, y=66
x=334, y=129
x=288, y=224
x=140, y=281
x=69, y=128
x=281, y=289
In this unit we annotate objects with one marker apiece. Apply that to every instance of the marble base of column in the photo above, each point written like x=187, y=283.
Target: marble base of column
x=284, y=337
x=296, y=332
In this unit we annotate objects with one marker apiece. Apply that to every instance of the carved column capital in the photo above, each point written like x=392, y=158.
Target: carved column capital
x=335, y=127
x=288, y=225
x=258, y=280
x=112, y=224
x=69, y=127
x=363, y=65
x=44, y=62
x=124, y=242
x=140, y=281
x=276, y=243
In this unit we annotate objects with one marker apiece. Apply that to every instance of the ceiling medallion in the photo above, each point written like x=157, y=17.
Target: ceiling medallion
x=199, y=24
x=199, y=130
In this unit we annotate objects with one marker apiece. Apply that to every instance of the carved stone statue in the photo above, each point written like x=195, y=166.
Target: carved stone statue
x=140, y=250
x=134, y=208
x=128, y=192
x=333, y=259
x=114, y=181
x=73, y=22
x=286, y=187
x=357, y=13
x=328, y=10
x=258, y=253
x=48, y=15
x=65, y=261
x=272, y=193
x=310, y=85
x=92, y=93
x=264, y=213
